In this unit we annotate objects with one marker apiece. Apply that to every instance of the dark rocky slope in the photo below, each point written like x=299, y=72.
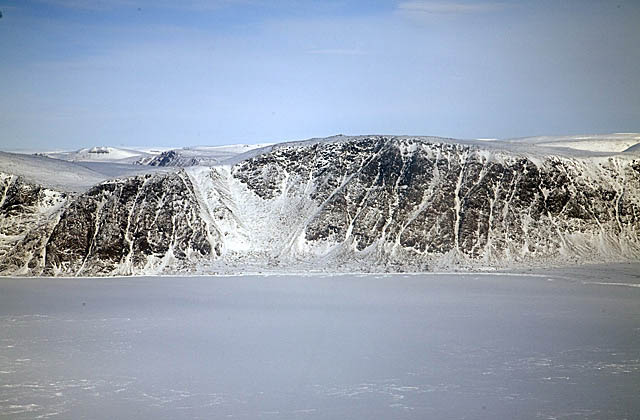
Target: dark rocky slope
x=117, y=227
x=419, y=200
x=367, y=203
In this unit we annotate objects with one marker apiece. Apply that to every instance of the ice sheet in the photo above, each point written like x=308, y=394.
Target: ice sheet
x=442, y=346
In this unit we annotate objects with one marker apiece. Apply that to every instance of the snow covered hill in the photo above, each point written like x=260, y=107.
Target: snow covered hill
x=100, y=154
x=64, y=175
x=366, y=203
x=53, y=173
x=186, y=156
x=200, y=155
x=617, y=142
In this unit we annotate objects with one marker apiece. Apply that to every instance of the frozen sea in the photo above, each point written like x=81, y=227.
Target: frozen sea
x=540, y=345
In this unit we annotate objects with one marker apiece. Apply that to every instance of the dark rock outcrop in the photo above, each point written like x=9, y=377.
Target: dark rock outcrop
x=122, y=226
x=414, y=198
x=127, y=225
x=27, y=216
x=366, y=203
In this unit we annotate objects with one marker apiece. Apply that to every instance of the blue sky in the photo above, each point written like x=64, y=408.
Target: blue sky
x=79, y=73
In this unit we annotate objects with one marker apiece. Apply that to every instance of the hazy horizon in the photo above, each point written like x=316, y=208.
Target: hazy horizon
x=142, y=147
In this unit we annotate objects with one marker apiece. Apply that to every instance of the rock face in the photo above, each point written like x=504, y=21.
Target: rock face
x=124, y=226
x=421, y=201
x=28, y=213
x=182, y=158
x=366, y=203
x=170, y=158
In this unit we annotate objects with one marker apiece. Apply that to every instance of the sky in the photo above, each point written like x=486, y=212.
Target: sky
x=80, y=73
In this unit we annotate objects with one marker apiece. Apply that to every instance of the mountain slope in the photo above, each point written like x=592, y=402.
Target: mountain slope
x=411, y=200
x=28, y=213
x=366, y=203
x=125, y=226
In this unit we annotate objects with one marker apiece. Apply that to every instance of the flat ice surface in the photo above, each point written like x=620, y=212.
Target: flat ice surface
x=438, y=346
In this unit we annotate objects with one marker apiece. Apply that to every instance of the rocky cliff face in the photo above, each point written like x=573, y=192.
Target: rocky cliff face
x=367, y=203
x=126, y=226
x=28, y=213
x=419, y=201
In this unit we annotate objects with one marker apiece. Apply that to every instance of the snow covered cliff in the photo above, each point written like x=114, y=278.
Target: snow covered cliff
x=367, y=203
